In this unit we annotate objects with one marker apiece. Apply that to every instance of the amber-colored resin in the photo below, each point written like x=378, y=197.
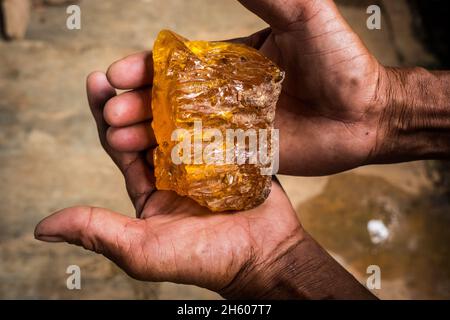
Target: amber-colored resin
x=224, y=85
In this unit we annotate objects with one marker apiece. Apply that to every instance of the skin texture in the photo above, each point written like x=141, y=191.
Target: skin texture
x=415, y=125
x=339, y=109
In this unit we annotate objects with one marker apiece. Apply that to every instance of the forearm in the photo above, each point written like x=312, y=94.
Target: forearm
x=302, y=271
x=415, y=122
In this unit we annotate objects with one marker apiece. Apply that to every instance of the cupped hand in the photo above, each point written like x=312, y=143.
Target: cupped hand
x=173, y=239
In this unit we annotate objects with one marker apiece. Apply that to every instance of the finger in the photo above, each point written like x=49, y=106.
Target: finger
x=99, y=91
x=128, y=108
x=138, y=176
x=132, y=72
x=149, y=157
x=100, y=230
x=135, y=138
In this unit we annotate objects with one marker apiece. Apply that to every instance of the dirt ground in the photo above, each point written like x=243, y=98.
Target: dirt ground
x=50, y=156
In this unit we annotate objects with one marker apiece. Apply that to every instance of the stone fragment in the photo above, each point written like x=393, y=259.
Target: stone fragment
x=202, y=92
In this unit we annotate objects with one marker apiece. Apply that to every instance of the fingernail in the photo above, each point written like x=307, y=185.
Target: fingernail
x=43, y=237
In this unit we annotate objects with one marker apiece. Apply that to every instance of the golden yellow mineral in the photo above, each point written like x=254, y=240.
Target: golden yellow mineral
x=213, y=111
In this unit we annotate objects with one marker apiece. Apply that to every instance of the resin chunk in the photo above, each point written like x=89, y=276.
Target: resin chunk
x=217, y=88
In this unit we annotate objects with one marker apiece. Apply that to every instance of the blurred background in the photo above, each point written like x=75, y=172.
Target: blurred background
x=393, y=216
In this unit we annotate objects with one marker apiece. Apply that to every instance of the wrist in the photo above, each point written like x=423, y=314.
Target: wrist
x=301, y=269
x=414, y=117
x=259, y=277
x=391, y=101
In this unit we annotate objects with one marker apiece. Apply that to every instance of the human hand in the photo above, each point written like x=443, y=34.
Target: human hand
x=333, y=94
x=174, y=238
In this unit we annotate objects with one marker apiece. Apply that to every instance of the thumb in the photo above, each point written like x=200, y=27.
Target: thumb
x=95, y=229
